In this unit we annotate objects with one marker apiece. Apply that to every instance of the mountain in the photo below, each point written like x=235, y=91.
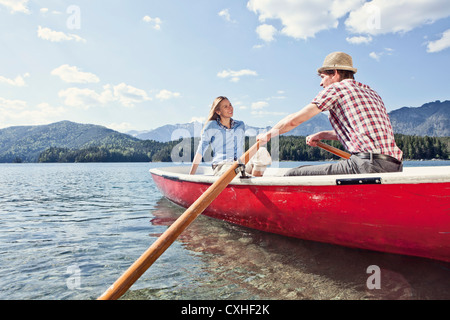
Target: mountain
x=316, y=124
x=27, y=142
x=171, y=132
x=431, y=119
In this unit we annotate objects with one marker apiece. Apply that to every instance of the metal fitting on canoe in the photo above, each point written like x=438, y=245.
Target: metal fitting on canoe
x=241, y=169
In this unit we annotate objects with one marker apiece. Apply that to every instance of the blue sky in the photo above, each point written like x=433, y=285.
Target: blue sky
x=141, y=64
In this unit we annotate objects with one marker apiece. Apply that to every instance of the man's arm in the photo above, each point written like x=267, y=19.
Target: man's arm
x=290, y=122
x=322, y=135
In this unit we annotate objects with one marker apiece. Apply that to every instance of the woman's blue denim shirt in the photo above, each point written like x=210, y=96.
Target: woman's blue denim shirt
x=226, y=144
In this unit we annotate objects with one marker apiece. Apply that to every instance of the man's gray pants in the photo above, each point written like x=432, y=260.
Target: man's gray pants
x=354, y=165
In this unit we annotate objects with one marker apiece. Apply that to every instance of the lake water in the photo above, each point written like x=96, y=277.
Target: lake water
x=68, y=231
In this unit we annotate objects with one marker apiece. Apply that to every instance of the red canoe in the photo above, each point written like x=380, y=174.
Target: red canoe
x=405, y=213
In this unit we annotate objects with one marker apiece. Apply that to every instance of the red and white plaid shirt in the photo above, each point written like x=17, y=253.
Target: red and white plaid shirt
x=359, y=118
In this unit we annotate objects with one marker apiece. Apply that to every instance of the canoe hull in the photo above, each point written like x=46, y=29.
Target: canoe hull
x=410, y=219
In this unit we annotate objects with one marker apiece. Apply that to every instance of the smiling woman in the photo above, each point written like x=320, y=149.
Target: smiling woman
x=226, y=137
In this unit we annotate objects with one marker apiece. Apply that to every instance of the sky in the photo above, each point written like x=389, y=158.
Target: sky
x=142, y=64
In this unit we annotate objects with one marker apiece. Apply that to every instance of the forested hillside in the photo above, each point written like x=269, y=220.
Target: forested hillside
x=26, y=143
x=291, y=148
x=71, y=142
x=413, y=147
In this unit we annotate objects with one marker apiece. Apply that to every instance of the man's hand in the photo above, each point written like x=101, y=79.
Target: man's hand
x=312, y=139
x=263, y=138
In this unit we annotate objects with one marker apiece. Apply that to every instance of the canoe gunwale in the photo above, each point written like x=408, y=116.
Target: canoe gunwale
x=411, y=175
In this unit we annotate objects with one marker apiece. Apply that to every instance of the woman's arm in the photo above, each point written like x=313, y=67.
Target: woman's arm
x=197, y=159
x=205, y=140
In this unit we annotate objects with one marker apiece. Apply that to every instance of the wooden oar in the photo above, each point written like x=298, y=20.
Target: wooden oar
x=334, y=150
x=133, y=273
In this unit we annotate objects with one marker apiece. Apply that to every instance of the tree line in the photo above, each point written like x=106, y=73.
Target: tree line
x=290, y=148
x=294, y=148
x=142, y=151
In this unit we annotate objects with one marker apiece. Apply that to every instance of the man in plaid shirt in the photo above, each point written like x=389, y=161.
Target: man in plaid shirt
x=359, y=120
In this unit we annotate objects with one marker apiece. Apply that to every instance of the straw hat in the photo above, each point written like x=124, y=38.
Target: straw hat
x=337, y=61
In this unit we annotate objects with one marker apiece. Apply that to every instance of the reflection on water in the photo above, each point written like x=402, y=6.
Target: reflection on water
x=233, y=262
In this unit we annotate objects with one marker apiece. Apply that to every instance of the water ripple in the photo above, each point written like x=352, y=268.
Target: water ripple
x=68, y=231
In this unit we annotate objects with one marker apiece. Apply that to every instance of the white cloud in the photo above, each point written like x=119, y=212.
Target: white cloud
x=302, y=19
x=12, y=105
x=121, y=127
x=225, y=14
x=239, y=104
x=44, y=112
x=166, y=94
x=266, y=32
x=17, y=81
x=57, y=36
x=236, y=75
x=259, y=105
x=280, y=95
x=13, y=111
x=198, y=119
x=387, y=16
x=85, y=98
x=257, y=109
x=359, y=39
x=72, y=74
x=377, y=55
x=128, y=95
x=16, y=5
x=440, y=44
x=155, y=22
x=261, y=113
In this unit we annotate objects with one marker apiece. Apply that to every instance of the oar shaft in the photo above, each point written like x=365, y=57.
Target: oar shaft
x=334, y=150
x=133, y=273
